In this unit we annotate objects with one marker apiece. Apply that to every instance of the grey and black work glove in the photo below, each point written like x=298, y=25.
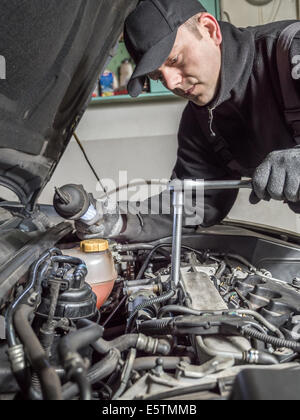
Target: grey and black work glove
x=107, y=223
x=93, y=218
x=278, y=177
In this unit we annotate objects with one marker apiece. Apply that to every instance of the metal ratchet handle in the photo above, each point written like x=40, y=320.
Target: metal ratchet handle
x=188, y=184
x=227, y=185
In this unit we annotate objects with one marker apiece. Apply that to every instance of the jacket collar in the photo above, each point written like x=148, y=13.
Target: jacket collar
x=237, y=62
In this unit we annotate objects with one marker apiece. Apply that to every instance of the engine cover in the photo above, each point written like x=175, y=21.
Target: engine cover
x=201, y=293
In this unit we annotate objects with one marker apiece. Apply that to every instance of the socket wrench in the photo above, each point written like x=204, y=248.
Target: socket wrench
x=178, y=188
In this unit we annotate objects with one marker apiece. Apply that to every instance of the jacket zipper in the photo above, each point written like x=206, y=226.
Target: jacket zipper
x=211, y=120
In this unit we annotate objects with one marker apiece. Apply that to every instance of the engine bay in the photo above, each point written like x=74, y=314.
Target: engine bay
x=235, y=307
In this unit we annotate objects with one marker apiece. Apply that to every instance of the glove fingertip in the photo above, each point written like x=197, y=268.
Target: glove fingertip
x=253, y=198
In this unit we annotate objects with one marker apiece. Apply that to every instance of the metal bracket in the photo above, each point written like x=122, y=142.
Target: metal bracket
x=213, y=366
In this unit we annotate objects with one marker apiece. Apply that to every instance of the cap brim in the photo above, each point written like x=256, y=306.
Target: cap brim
x=151, y=61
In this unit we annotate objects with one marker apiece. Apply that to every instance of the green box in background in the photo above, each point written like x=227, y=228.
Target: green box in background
x=212, y=6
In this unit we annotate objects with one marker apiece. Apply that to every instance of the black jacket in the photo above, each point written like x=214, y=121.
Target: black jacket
x=248, y=114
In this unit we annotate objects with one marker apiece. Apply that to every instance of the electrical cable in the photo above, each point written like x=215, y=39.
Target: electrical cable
x=10, y=332
x=277, y=342
x=123, y=187
x=148, y=259
x=11, y=204
x=238, y=258
x=146, y=304
x=177, y=309
x=114, y=311
x=186, y=248
x=125, y=374
x=136, y=184
x=262, y=320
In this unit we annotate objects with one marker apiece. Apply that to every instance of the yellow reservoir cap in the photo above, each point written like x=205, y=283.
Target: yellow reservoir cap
x=94, y=245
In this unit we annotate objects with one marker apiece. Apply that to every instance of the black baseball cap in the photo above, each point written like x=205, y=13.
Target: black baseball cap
x=150, y=32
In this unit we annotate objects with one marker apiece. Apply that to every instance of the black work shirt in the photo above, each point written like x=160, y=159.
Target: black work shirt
x=248, y=114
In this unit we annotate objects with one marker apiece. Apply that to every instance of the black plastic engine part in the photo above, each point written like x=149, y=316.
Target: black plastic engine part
x=274, y=301
x=16, y=264
x=72, y=362
x=73, y=304
x=76, y=299
x=271, y=385
x=195, y=325
x=71, y=201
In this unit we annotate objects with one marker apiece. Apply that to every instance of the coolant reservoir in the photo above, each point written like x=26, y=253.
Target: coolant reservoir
x=101, y=270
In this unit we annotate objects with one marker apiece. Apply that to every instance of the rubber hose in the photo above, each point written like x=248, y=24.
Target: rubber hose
x=262, y=320
x=125, y=376
x=221, y=270
x=142, y=282
x=79, y=339
x=121, y=343
x=238, y=258
x=148, y=259
x=50, y=382
x=177, y=309
x=148, y=303
x=73, y=342
x=96, y=373
x=10, y=333
x=157, y=247
x=168, y=363
x=68, y=260
x=84, y=386
x=157, y=325
x=129, y=341
x=102, y=346
x=276, y=342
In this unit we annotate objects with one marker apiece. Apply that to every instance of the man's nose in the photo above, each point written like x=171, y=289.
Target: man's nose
x=171, y=78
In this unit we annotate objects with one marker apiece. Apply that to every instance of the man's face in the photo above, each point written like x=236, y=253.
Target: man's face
x=192, y=70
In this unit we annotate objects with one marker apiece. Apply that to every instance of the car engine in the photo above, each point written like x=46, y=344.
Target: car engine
x=150, y=339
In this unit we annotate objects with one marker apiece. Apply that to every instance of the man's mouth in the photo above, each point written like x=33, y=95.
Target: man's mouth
x=190, y=91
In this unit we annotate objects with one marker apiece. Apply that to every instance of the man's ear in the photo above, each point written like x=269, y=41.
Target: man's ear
x=210, y=26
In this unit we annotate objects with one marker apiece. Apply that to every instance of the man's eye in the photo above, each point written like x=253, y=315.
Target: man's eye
x=154, y=76
x=157, y=77
x=174, y=60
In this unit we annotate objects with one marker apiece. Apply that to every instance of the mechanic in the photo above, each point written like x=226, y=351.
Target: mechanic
x=234, y=124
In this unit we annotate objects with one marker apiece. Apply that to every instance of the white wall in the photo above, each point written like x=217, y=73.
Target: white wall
x=142, y=138
x=241, y=13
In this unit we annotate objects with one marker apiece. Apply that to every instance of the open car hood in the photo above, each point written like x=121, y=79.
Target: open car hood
x=52, y=52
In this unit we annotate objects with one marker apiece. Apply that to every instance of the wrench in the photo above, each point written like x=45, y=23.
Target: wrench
x=178, y=187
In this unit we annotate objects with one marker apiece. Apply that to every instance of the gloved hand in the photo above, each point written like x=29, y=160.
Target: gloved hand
x=107, y=224
x=93, y=218
x=278, y=177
